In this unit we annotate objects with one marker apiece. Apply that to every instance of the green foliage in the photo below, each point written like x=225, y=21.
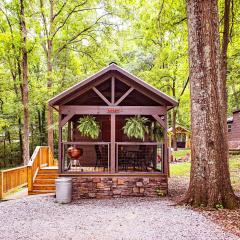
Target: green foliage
x=219, y=206
x=89, y=127
x=156, y=132
x=148, y=38
x=160, y=192
x=136, y=127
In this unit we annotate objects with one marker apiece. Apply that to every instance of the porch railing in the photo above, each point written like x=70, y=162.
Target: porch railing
x=11, y=179
x=139, y=157
x=42, y=157
x=94, y=157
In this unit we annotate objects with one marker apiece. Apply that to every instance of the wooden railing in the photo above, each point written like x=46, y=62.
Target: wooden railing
x=25, y=175
x=42, y=157
x=12, y=178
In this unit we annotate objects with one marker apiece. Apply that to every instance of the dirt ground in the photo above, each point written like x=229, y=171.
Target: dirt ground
x=227, y=219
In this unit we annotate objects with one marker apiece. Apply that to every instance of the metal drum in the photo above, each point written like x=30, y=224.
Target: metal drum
x=64, y=190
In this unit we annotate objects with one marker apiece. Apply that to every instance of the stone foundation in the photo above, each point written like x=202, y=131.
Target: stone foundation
x=112, y=187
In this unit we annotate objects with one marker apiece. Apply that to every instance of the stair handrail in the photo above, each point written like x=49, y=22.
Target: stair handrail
x=42, y=156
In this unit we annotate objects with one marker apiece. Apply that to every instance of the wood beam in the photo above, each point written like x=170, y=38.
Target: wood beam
x=78, y=93
x=113, y=148
x=101, y=96
x=140, y=89
x=165, y=152
x=124, y=95
x=60, y=168
x=158, y=119
x=113, y=90
x=66, y=119
x=118, y=110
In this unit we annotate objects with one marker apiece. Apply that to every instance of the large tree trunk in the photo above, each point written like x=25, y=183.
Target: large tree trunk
x=25, y=84
x=210, y=179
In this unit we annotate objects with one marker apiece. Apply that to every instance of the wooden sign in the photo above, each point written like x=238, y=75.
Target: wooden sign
x=113, y=110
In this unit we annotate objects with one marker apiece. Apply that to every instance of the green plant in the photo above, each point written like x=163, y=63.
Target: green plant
x=219, y=206
x=136, y=127
x=160, y=193
x=156, y=132
x=89, y=127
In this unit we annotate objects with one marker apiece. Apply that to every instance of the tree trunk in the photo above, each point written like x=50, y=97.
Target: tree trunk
x=20, y=137
x=49, y=85
x=25, y=84
x=210, y=179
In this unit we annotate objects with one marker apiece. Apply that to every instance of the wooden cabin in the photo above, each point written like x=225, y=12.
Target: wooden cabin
x=183, y=136
x=113, y=165
x=234, y=131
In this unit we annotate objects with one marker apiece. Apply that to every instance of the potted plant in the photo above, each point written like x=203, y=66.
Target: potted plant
x=156, y=132
x=89, y=127
x=136, y=127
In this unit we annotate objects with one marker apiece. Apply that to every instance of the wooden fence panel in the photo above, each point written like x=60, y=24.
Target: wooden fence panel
x=25, y=175
x=12, y=178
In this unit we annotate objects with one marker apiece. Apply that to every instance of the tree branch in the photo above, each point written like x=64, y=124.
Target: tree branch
x=60, y=10
x=79, y=34
x=44, y=19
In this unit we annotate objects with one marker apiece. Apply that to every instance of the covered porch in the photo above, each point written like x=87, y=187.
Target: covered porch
x=112, y=97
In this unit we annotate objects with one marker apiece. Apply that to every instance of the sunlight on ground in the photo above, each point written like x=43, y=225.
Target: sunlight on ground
x=183, y=169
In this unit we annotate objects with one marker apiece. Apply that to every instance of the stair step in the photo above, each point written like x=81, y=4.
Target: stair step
x=43, y=187
x=36, y=192
x=46, y=181
x=46, y=176
x=48, y=171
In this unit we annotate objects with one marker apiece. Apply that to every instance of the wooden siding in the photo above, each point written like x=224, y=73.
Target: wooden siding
x=234, y=135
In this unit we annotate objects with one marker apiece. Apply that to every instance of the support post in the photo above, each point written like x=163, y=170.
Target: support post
x=1, y=185
x=69, y=137
x=30, y=178
x=166, y=160
x=113, y=149
x=112, y=90
x=60, y=160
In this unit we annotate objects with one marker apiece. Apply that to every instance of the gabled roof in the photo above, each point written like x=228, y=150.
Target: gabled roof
x=180, y=126
x=112, y=68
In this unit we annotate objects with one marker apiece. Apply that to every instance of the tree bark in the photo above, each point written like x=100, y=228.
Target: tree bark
x=210, y=179
x=49, y=85
x=23, y=31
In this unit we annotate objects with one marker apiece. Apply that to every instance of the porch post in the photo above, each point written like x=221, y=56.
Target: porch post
x=165, y=157
x=113, y=149
x=60, y=162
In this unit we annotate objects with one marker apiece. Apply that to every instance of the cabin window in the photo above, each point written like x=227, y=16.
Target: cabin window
x=229, y=127
x=181, y=137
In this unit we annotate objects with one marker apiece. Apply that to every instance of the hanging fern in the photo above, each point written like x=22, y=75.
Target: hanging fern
x=156, y=132
x=89, y=127
x=136, y=127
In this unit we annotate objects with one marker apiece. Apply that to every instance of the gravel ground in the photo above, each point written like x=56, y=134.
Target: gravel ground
x=39, y=217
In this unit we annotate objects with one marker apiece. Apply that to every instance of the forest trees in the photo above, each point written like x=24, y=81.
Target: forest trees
x=64, y=27
x=210, y=179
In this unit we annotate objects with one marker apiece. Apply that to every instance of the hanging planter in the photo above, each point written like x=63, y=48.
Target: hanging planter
x=136, y=127
x=156, y=132
x=89, y=127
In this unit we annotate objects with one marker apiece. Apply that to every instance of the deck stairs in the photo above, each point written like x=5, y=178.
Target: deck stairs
x=44, y=182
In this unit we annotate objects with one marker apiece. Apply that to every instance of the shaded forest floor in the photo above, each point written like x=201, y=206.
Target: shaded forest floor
x=229, y=220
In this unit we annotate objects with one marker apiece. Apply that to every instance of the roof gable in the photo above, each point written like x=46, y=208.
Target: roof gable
x=102, y=76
